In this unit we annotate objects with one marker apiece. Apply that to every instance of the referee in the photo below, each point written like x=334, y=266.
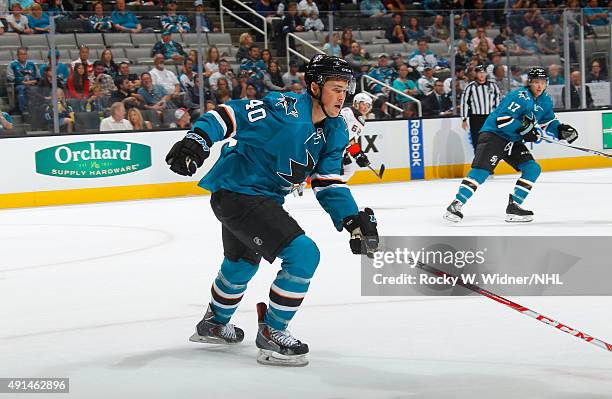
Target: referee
x=478, y=100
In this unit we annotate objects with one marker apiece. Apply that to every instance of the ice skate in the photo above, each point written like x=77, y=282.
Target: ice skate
x=514, y=213
x=211, y=332
x=278, y=347
x=453, y=212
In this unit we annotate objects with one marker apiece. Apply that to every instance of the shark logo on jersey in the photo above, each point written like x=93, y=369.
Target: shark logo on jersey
x=298, y=170
x=289, y=104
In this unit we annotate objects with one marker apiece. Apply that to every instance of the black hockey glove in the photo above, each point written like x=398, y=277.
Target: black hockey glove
x=532, y=135
x=364, y=235
x=362, y=160
x=187, y=155
x=567, y=133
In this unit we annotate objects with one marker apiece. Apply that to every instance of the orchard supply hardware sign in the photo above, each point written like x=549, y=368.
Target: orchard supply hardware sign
x=91, y=159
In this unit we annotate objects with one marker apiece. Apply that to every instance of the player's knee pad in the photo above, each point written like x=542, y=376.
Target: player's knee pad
x=300, y=257
x=530, y=170
x=479, y=175
x=238, y=272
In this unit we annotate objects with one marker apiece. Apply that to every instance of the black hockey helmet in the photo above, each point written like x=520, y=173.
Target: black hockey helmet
x=537, y=73
x=321, y=67
x=480, y=68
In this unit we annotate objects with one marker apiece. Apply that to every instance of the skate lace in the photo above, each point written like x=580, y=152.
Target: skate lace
x=228, y=331
x=283, y=337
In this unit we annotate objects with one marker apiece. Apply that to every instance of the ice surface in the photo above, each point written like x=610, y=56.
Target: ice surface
x=108, y=294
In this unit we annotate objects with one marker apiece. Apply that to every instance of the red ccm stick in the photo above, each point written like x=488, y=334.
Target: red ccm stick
x=519, y=308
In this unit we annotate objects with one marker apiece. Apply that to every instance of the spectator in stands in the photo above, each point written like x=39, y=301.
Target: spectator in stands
x=332, y=48
x=460, y=82
x=356, y=60
x=517, y=79
x=223, y=94
x=462, y=35
x=426, y=83
x=124, y=21
x=548, y=43
x=266, y=56
x=596, y=74
x=394, y=6
x=187, y=76
x=96, y=101
x=495, y=59
x=141, y=3
x=528, y=42
x=194, y=57
x=224, y=72
x=502, y=40
x=291, y=23
x=481, y=35
x=23, y=74
x=182, y=119
x=382, y=72
x=255, y=66
x=296, y=88
x=246, y=41
x=576, y=92
x=110, y=68
x=398, y=61
x=65, y=113
x=596, y=15
x=291, y=76
x=273, y=79
x=117, y=121
x=168, y=48
x=251, y=92
x=554, y=77
x=480, y=17
x=422, y=56
x=134, y=116
x=396, y=32
x=500, y=77
x=482, y=53
x=346, y=41
x=463, y=55
x=438, y=31
x=212, y=61
x=84, y=59
x=192, y=96
x=102, y=79
x=6, y=123
x=414, y=32
x=42, y=92
x=306, y=7
x=61, y=70
x=126, y=94
x=57, y=10
x=266, y=9
x=25, y=5
x=164, y=77
x=98, y=22
x=372, y=8
x=38, y=20
x=405, y=85
x=205, y=22
x=155, y=96
x=437, y=103
x=124, y=71
x=17, y=22
x=172, y=22
x=78, y=83
x=313, y=22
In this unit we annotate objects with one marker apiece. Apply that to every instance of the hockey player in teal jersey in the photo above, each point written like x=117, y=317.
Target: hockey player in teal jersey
x=522, y=116
x=280, y=140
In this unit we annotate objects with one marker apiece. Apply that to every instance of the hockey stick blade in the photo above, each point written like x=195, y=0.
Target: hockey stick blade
x=519, y=308
x=378, y=174
x=595, y=152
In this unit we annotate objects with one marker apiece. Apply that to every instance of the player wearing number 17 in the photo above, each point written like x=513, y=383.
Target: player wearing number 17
x=521, y=117
x=279, y=142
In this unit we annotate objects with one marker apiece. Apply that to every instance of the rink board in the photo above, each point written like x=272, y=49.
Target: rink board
x=71, y=169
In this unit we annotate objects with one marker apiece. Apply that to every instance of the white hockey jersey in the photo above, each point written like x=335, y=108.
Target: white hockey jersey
x=355, y=123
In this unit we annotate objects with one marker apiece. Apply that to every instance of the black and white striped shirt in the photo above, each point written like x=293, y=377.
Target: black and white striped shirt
x=479, y=99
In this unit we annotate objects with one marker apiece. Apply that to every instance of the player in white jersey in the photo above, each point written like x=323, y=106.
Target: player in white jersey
x=355, y=121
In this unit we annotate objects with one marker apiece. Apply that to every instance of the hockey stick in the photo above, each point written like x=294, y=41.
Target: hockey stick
x=595, y=152
x=519, y=308
x=380, y=173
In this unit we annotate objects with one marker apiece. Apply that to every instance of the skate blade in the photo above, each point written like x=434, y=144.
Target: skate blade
x=518, y=219
x=210, y=340
x=271, y=358
x=452, y=217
